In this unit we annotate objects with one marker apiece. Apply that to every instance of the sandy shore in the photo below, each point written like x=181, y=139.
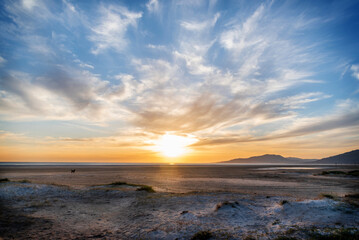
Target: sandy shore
x=79, y=209
x=296, y=181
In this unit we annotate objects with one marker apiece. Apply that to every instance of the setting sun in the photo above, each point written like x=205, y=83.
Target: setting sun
x=174, y=146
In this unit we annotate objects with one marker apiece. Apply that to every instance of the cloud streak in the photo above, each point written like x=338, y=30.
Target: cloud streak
x=110, y=31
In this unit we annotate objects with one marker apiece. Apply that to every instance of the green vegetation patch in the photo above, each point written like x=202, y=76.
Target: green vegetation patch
x=140, y=187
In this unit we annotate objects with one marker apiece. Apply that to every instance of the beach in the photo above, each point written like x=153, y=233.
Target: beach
x=217, y=201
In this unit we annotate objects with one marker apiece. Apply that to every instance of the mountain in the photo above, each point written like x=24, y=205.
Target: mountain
x=344, y=158
x=269, y=159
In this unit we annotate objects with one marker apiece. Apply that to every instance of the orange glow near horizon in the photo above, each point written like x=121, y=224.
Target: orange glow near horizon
x=166, y=148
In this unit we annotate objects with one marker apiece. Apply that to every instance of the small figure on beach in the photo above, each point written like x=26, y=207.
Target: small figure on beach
x=73, y=170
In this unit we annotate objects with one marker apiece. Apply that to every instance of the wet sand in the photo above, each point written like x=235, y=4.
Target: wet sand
x=224, y=202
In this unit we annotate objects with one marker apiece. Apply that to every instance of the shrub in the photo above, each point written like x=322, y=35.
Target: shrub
x=118, y=183
x=353, y=173
x=146, y=188
x=327, y=195
x=140, y=187
x=226, y=203
x=285, y=238
x=354, y=195
x=202, y=235
x=276, y=222
x=24, y=181
x=249, y=238
x=4, y=180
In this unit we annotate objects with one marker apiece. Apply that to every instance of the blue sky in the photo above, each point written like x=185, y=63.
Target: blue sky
x=234, y=75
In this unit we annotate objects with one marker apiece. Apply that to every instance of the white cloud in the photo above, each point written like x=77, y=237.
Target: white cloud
x=153, y=6
x=243, y=36
x=83, y=65
x=200, y=26
x=29, y=14
x=30, y=4
x=63, y=93
x=2, y=61
x=345, y=115
x=110, y=31
x=286, y=79
x=297, y=101
x=70, y=6
x=157, y=47
x=266, y=54
x=39, y=45
x=355, y=70
x=129, y=87
x=195, y=63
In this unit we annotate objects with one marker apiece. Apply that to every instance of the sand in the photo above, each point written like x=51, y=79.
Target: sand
x=85, y=206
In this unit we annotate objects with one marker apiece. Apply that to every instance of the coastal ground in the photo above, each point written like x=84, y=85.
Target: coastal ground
x=198, y=202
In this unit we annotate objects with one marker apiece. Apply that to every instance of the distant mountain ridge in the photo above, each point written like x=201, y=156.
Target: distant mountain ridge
x=345, y=158
x=351, y=157
x=270, y=158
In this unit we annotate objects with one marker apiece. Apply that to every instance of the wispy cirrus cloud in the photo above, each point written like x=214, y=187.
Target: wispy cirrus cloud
x=197, y=26
x=2, y=61
x=110, y=31
x=30, y=14
x=218, y=98
x=153, y=6
x=355, y=71
x=344, y=118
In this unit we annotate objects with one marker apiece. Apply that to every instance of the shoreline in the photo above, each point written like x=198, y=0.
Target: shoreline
x=277, y=180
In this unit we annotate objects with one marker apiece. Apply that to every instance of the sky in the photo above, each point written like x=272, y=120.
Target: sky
x=177, y=81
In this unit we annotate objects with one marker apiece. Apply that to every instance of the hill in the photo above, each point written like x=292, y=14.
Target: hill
x=270, y=159
x=344, y=158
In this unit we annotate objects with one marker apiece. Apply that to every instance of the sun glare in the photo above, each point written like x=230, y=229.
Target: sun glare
x=173, y=145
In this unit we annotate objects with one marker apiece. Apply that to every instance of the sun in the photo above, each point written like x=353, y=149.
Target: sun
x=172, y=146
